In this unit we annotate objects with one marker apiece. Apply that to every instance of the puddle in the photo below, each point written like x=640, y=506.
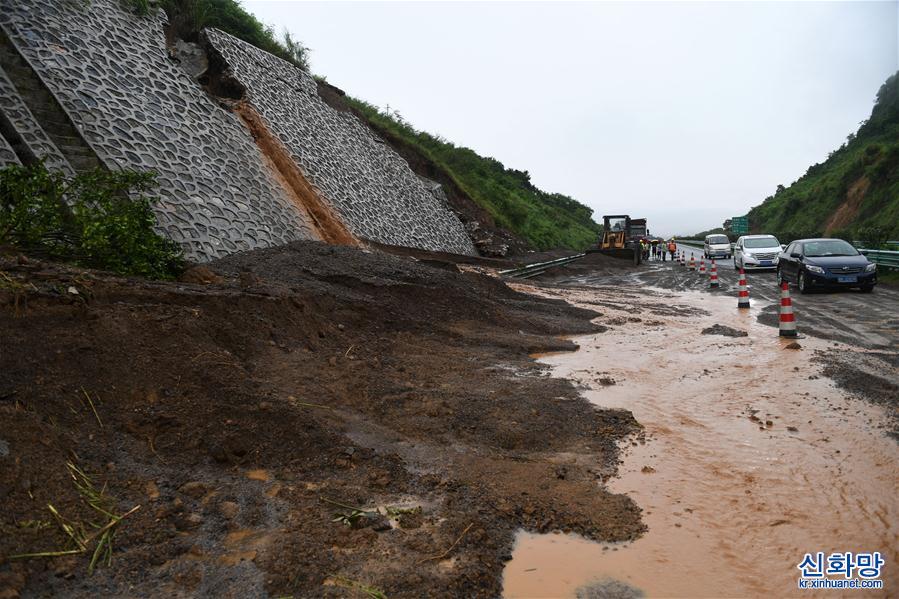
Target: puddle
x=733, y=498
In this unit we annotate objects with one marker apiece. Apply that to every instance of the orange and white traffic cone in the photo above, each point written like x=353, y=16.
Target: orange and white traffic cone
x=680, y=257
x=743, y=301
x=787, y=320
x=702, y=266
x=713, y=275
x=692, y=262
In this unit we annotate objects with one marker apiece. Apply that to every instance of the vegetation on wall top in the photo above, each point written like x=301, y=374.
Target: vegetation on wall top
x=546, y=220
x=188, y=17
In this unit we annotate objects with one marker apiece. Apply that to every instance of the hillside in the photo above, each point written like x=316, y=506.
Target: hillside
x=503, y=211
x=854, y=193
x=545, y=220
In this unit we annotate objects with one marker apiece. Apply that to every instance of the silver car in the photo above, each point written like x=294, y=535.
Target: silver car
x=755, y=252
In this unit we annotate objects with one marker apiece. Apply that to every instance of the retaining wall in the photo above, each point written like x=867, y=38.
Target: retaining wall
x=112, y=74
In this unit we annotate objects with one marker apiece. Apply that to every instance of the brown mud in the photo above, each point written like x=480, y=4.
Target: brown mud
x=247, y=411
x=749, y=458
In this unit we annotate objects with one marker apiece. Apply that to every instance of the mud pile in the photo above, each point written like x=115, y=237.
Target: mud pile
x=246, y=414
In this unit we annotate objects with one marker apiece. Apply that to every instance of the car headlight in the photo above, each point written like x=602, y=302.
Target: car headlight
x=815, y=269
x=871, y=267
x=749, y=257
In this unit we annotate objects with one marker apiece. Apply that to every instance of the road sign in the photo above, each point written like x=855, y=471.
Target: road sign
x=739, y=225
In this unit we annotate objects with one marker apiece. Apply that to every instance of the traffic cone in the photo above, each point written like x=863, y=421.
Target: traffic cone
x=702, y=266
x=787, y=320
x=743, y=301
x=692, y=262
x=713, y=275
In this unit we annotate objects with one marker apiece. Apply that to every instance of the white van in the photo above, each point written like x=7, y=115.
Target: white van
x=716, y=246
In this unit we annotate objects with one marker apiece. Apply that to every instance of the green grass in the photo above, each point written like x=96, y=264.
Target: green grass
x=546, y=220
x=869, y=157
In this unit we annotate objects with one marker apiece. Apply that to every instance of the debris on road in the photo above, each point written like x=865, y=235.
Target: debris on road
x=720, y=329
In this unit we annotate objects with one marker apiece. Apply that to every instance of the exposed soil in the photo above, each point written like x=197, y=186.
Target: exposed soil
x=328, y=226
x=235, y=408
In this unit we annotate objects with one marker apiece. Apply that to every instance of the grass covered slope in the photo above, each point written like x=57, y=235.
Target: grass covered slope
x=853, y=194
x=545, y=220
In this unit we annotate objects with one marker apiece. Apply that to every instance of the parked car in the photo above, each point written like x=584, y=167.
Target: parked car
x=821, y=263
x=757, y=252
x=716, y=246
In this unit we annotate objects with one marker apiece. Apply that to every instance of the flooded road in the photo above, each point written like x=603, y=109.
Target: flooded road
x=750, y=460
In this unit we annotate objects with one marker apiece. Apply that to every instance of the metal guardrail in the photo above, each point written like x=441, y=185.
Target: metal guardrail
x=884, y=257
x=887, y=258
x=532, y=270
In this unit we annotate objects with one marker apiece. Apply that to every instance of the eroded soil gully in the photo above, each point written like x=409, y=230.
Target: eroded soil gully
x=733, y=497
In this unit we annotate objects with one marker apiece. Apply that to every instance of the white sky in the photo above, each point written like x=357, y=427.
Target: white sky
x=682, y=112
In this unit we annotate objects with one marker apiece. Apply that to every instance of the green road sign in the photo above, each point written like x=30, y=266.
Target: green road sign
x=739, y=225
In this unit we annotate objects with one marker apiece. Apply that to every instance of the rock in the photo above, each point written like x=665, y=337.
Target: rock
x=4, y=448
x=792, y=429
x=332, y=361
x=265, y=406
x=608, y=589
x=201, y=275
x=380, y=523
x=720, y=329
x=191, y=58
x=794, y=345
x=188, y=521
x=229, y=509
x=152, y=490
x=195, y=489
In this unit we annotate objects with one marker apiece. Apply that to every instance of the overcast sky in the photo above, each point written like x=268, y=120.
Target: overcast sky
x=683, y=112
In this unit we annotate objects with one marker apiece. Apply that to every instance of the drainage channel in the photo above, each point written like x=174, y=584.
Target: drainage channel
x=751, y=460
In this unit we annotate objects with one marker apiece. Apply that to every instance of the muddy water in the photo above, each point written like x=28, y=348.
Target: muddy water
x=732, y=495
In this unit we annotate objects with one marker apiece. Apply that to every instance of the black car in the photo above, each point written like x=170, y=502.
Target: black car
x=825, y=263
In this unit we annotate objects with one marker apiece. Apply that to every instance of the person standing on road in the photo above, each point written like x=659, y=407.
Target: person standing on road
x=672, y=247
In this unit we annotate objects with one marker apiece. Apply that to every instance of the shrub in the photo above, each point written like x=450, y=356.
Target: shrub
x=874, y=236
x=100, y=219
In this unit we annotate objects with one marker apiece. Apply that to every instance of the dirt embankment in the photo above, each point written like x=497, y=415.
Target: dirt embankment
x=239, y=409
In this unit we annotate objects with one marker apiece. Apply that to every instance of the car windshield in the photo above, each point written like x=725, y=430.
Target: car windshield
x=718, y=239
x=829, y=247
x=761, y=242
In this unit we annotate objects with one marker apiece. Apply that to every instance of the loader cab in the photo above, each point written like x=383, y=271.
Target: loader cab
x=615, y=232
x=619, y=237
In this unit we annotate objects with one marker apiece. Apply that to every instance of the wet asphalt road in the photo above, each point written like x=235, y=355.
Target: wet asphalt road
x=869, y=320
x=866, y=320
x=861, y=329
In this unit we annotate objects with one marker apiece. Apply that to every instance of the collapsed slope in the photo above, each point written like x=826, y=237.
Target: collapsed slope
x=235, y=407
x=855, y=188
